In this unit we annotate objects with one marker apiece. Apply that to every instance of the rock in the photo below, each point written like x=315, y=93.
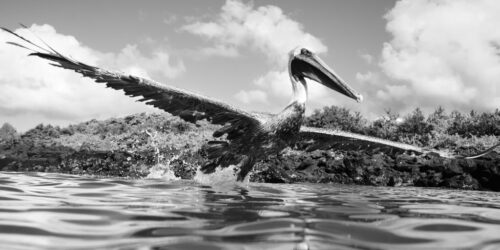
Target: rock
x=487, y=172
x=306, y=164
x=395, y=181
x=348, y=167
x=462, y=181
x=454, y=168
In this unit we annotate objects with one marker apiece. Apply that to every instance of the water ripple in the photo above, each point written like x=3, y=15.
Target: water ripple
x=56, y=211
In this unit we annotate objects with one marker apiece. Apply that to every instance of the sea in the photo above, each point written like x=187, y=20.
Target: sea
x=59, y=211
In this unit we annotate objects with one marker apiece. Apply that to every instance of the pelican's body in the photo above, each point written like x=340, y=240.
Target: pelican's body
x=244, y=138
x=273, y=133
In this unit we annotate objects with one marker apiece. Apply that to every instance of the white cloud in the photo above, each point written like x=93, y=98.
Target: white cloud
x=442, y=53
x=276, y=82
x=131, y=58
x=33, y=91
x=251, y=96
x=367, y=58
x=220, y=50
x=368, y=77
x=170, y=19
x=265, y=29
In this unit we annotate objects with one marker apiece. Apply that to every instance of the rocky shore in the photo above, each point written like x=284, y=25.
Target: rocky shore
x=134, y=146
x=382, y=170
x=290, y=167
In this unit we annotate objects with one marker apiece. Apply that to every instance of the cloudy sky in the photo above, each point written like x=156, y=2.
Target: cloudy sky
x=399, y=54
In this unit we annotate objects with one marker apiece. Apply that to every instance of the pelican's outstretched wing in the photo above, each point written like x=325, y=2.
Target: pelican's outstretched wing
x=189, y=106
x=318, y=138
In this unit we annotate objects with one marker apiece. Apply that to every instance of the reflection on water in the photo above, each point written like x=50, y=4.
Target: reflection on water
x=53, y=211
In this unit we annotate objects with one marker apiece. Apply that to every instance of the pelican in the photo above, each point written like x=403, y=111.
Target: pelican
x=244, y=137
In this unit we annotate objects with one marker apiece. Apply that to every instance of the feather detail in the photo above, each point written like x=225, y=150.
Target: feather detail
x=318, y=138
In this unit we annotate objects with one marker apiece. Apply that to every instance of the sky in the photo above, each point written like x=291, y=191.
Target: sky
x=398, y=54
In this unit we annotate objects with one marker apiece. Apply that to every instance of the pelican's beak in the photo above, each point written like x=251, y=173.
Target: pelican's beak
x=311, y=66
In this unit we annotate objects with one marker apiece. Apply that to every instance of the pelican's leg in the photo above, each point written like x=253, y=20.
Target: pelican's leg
x=245, y=166
x=209, y=167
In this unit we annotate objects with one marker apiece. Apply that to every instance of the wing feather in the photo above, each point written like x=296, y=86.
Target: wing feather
x=319, y=138
x=188, y=105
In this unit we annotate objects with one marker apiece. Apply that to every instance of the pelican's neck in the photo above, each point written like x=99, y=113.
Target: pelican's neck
x=299, y=87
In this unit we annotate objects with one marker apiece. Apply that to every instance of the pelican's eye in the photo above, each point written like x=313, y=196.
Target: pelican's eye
x=305, y=52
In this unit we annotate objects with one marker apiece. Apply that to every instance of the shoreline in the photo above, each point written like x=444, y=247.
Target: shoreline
x=359, y=168
x=133, y=145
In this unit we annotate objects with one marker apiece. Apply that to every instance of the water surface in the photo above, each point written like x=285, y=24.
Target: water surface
x=55, y=211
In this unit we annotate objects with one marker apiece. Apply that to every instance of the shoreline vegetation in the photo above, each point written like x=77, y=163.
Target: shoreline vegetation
x=136, y=145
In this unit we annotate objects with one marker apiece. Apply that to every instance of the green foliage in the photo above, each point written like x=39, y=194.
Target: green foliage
x=414, y=129
x=334, y=117
x=42, y=132
x=385, y=127
x=437, y=130
x=7, y=132
x=414, y=123
x=164, y=136
x=132, y=133
x=474, y=124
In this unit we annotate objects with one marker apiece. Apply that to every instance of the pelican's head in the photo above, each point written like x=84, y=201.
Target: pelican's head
x=305, y=64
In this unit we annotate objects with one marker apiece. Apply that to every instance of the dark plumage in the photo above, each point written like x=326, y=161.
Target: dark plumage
x=249, y=137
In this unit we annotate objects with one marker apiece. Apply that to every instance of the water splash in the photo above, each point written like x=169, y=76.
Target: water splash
x=160, y=170
x=223, y=178
x=153, y=138
x=163, y=171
